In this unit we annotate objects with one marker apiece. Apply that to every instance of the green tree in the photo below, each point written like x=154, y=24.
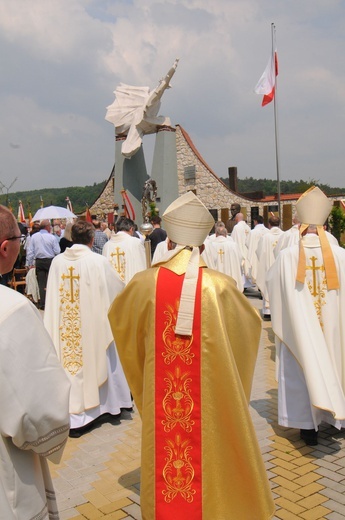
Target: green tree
x=337, y=222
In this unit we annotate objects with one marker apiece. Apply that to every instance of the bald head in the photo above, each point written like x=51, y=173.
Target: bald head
x=239, y=217
x=44, y=224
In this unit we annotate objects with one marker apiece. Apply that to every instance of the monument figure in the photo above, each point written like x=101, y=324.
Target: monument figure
x=149, y=197
x=135, y=112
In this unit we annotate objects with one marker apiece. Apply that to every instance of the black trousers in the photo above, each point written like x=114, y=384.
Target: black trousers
x=42, y=270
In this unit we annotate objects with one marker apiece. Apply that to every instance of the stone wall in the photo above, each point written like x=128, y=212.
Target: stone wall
x=206, y=185
x=105, y=202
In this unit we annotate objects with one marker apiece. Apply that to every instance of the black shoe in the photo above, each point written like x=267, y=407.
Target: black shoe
x=309, y=437
x=74, y=433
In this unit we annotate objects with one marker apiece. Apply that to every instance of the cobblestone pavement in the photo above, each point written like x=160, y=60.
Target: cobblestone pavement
x=99, y=476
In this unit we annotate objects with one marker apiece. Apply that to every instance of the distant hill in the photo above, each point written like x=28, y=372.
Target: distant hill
x=79, y=196
x=269, y=186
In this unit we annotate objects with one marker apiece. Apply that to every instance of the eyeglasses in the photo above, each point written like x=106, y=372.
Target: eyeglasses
x=10, y=238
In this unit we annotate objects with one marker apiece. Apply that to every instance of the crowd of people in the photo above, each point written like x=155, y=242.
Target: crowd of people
x=173, y=336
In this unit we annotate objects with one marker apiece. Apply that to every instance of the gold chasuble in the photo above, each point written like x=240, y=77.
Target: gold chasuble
x=200, y=456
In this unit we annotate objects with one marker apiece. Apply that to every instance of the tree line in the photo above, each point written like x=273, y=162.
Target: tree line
x=80, y=197
x=83, y=196
x=269, y=186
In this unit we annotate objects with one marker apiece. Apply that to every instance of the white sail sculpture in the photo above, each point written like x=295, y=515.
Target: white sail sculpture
x=134, y=112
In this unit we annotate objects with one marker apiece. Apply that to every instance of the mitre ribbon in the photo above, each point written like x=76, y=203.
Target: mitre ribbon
x=185, y=316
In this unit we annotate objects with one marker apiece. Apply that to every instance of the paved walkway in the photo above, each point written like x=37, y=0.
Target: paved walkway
x=99, y=477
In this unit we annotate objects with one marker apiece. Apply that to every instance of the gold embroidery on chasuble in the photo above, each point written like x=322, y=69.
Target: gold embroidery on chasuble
x=175, y=346
x=317, y=287
x=178, y=471
x=221, y=254
x=118, y=261
x=70, y=328
x=177, y=405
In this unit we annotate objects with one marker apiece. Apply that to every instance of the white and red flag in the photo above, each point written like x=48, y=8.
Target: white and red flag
x=21, y=214
x=267, y=83
x=69, y=205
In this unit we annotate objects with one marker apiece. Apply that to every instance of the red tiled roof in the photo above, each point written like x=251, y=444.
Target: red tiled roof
x=283, y=196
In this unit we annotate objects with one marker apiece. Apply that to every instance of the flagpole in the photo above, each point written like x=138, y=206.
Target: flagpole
x=273, y=31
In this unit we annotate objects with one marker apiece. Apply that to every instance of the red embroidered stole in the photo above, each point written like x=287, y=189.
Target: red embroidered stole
x=178, y=485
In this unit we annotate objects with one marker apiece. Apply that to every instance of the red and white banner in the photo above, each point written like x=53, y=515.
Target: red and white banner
x=21, y=214
x=69, y=205
x=127, y=206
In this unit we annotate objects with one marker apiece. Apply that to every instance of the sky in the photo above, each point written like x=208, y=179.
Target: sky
x=61, y=60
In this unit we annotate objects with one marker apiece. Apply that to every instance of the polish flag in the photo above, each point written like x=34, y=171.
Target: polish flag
x=267, y=82
x=21, y=215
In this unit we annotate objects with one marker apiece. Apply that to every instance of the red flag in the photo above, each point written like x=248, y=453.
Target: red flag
x=88, y=215
x=21, y=215
x=267, y=82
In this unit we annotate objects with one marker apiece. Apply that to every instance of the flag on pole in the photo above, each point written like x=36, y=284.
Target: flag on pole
x=69, y=204
x=21, y=214
x=127, y=206
x=88, y=215
x=267, y=82
x=30, y=216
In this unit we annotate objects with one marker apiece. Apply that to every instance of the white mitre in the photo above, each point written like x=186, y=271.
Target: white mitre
x=313, y=207
x=187, y=222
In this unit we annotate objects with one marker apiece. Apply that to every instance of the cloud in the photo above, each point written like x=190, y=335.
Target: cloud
x=63, y=59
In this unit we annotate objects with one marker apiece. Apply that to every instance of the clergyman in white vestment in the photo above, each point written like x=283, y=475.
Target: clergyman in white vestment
x=306, y=286
x=265, y=254
x=252, y=243
x=125, y=252
x=240, y=235
x=81, y=286
x=34, y=420
x=207, y=252
x=224, y=255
